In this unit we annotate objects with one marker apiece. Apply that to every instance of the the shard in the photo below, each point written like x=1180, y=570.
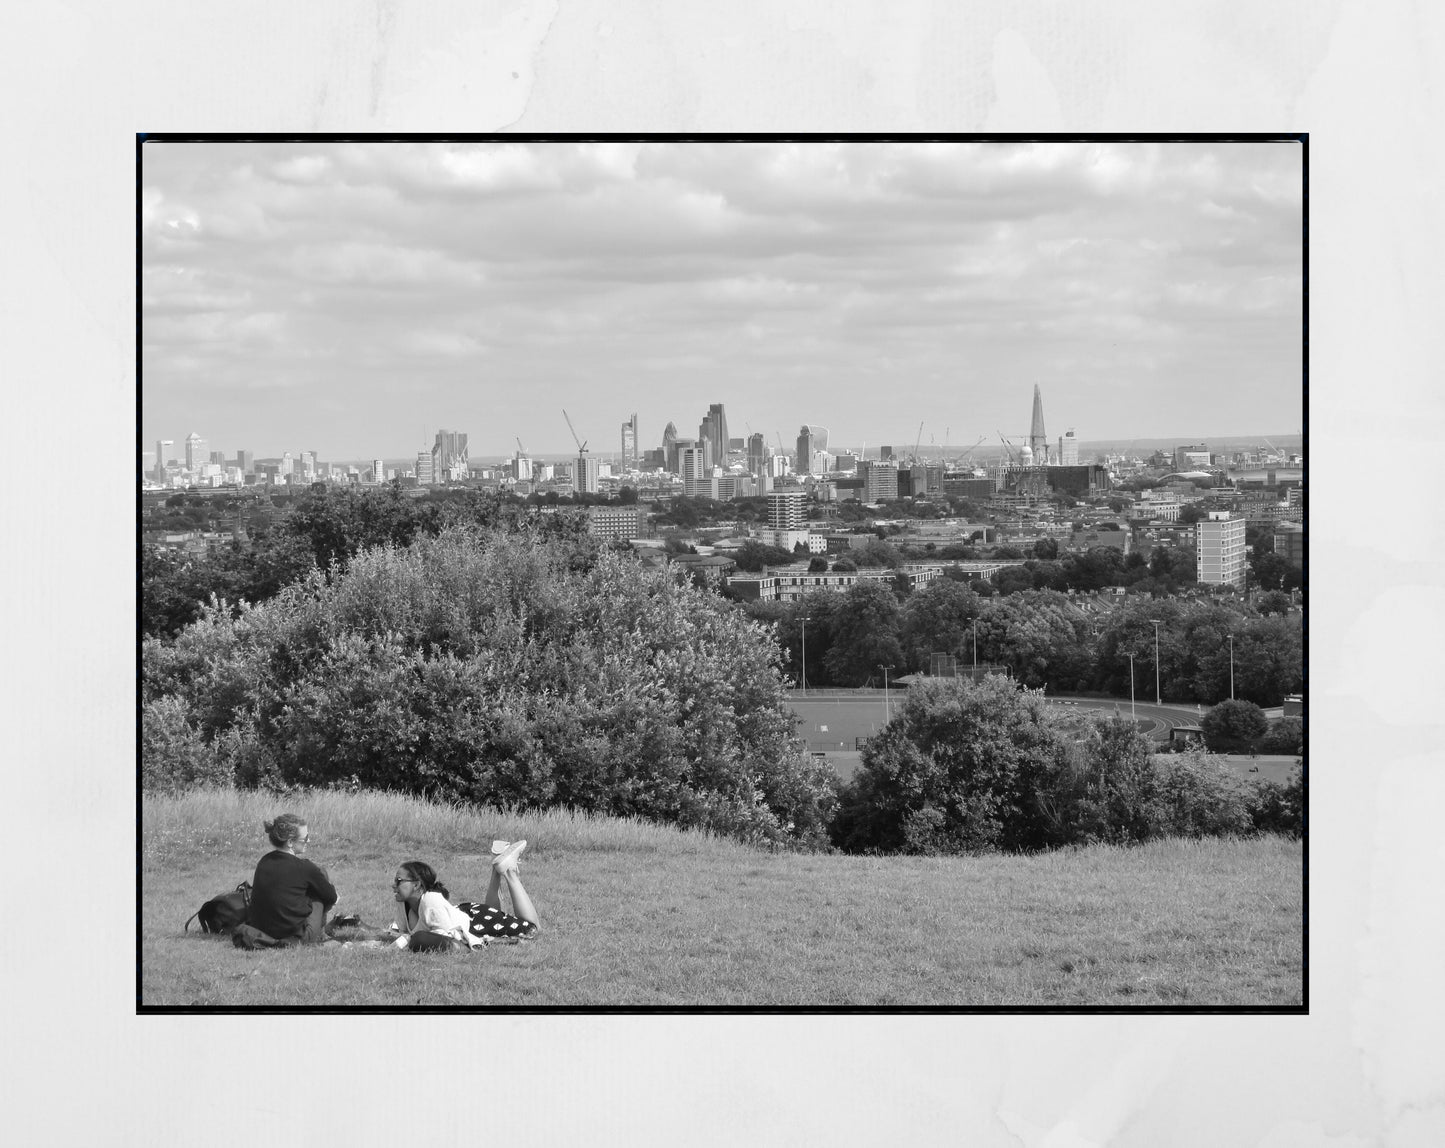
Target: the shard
x=1038, y=440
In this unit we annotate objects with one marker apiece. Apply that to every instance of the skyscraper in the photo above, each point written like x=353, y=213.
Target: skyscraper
x=585, y=474
x=1069, y=449
x=788, y=510
x=805, y=450
x=1219, y=549
x=425, y=476
x=195, y=451
x=757, y=453
x=714, y=430
x=449, y=456
x=1038, y=440
x=669, y=449
x=629, y=443
x=697, y=477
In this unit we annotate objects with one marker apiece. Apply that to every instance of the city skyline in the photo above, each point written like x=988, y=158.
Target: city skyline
x=351, y=298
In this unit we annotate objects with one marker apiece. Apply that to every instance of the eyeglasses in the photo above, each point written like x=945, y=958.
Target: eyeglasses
x=403, y=881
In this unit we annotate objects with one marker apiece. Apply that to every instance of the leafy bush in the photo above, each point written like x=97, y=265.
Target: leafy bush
x=497, y=668
x=1197, y=797
x=1285, y=735
x=1234, y=727
x=174, y=755
x=1280, y=808
x=956, y=771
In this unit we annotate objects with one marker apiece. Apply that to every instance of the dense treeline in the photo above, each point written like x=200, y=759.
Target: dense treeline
x=1045, y=639
x=966, y=768
x=492, y=666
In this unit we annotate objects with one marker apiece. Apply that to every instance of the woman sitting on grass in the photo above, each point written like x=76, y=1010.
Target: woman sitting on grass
x=290, y=895
x=429, y=921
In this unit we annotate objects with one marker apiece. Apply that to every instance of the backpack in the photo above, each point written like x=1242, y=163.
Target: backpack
x=222, y=914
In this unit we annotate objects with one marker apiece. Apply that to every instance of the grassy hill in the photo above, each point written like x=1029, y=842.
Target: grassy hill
x=636, y=914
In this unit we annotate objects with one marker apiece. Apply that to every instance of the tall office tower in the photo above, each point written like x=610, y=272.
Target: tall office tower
x=806, y=446
x=218, y=457
x=714, y=430
x=880, y=480
x=1220, y=549
x=885, y=453
x=1038, y=440
x=195, y=451
x=669, y=449
x=378, y=470
x=449, y=456
x=425, y=475
x=696, y=468
x=308, y=465
x=757, y=453
x=788, y=510
x=288, y=463
x=629, y=443
x=246, y=460
x=1069, y=449
x=164, y=449
x=585, y=474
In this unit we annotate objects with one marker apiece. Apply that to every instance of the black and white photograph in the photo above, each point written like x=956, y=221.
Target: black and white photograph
x=722, y=573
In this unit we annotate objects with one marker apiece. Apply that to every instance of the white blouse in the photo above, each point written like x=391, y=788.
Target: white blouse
x=435, y=914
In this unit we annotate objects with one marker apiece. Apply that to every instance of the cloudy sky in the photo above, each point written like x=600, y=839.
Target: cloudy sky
x=353, y=298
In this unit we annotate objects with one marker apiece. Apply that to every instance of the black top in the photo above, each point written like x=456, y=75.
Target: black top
x=282, y=892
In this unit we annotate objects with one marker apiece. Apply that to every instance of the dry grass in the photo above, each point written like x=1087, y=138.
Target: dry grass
x=638, y=915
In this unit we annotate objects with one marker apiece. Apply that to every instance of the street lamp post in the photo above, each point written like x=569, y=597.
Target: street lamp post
x=975, y=649
x=1158, y=696
x=1231, y=667
x=1132, y=714
x=887, y=711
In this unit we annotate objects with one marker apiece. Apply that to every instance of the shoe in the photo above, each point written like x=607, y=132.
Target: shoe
x=500, y=847
x=507, y=859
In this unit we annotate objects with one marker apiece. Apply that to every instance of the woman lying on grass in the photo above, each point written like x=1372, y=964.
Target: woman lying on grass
x=429, y=921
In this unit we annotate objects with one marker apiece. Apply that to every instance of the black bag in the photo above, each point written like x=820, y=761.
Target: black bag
x=222, y=914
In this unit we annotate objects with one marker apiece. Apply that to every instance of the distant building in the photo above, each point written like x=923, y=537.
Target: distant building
x=195, y=451
x=880, y=480
x=669, y=449
x=1289, y=543
x=617, y=522
x=757, y=454
x=1036, y=450
x=629, y=443
x=1219, y=542
x=449, y=456
x=788, y=510
x=714, y=432
x=1191, y=457
x=1069, y=449
x=585, y=474
x=378, y=471
x=425, y=476
x=805, y=450
x=695, y=464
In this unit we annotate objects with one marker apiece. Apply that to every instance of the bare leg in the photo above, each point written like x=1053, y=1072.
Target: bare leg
x=494, y=896
x=522, y=906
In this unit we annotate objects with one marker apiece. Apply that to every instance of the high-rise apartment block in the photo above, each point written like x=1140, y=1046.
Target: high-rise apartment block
x=788, y=510
x=585, y=474
x=1220, y=550
x=425, y=475
x=695, y=463
x=449, y=456
x=880, y=480
x=378, y=469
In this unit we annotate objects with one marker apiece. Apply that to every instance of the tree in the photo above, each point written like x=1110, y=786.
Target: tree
x=938, y=618
x=818, y=565
x=754, y=555
x=845, y=565
x=1046, y=549
x=1192, y=513
x=1012, y=579
x=1270, y=571
x=1234, y=727
x=956, y=771
x=1273, y=602
x=864, y=634
x=627, y=496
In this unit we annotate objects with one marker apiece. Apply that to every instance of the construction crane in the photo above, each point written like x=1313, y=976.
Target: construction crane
x=1008, y=447
x=918, y=441
x=521, y=450
x=781, y=448
x=968, y=454
x=581, y=446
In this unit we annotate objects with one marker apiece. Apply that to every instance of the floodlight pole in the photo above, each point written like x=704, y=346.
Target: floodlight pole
x=804, y=622
x=975, y=649
x=1231, y=667
x=1132, y=714
x=887, y=711
x=1158, y=696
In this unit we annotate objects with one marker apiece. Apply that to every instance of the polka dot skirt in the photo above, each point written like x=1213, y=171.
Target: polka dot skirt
x=494, y=924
